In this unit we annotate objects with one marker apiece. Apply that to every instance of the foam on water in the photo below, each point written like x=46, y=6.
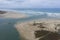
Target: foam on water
x=48, y=14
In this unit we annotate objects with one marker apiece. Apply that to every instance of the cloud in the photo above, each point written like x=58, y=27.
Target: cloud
x=29, y=3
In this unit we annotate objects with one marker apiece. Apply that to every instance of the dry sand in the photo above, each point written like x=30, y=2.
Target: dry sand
x=10, y=14
x=26, y=29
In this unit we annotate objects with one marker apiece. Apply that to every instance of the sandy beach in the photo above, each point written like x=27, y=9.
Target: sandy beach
x=10, y=14
x=27, y=29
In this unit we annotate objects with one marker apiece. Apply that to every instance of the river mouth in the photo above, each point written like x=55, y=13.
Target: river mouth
x=7, y=29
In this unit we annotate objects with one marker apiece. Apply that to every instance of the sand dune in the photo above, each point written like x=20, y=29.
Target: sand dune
x=27, y=29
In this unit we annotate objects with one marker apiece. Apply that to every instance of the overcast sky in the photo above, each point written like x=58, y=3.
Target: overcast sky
x=29, y=3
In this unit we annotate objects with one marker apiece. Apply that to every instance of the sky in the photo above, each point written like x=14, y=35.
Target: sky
x=29, y=3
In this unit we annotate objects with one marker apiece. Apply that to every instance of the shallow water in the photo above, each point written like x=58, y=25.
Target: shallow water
x=7, y=29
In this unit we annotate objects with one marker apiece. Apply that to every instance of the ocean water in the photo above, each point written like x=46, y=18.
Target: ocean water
x=51, y=10
x=46, y=12
x=42, y=12
x=7, y=30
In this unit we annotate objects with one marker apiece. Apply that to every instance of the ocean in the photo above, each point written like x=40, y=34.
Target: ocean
x=46, y=12
x=7, y=30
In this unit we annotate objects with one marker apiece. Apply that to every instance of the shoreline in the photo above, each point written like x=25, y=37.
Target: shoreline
x=27, y=29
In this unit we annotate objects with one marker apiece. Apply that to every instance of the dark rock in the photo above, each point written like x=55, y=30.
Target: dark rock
x=39, y=33
x=2, y=12
x=58, y=24
x=41, y=25
x=50, y=36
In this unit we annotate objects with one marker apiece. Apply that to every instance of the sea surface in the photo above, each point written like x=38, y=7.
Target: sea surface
x=9, y=32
